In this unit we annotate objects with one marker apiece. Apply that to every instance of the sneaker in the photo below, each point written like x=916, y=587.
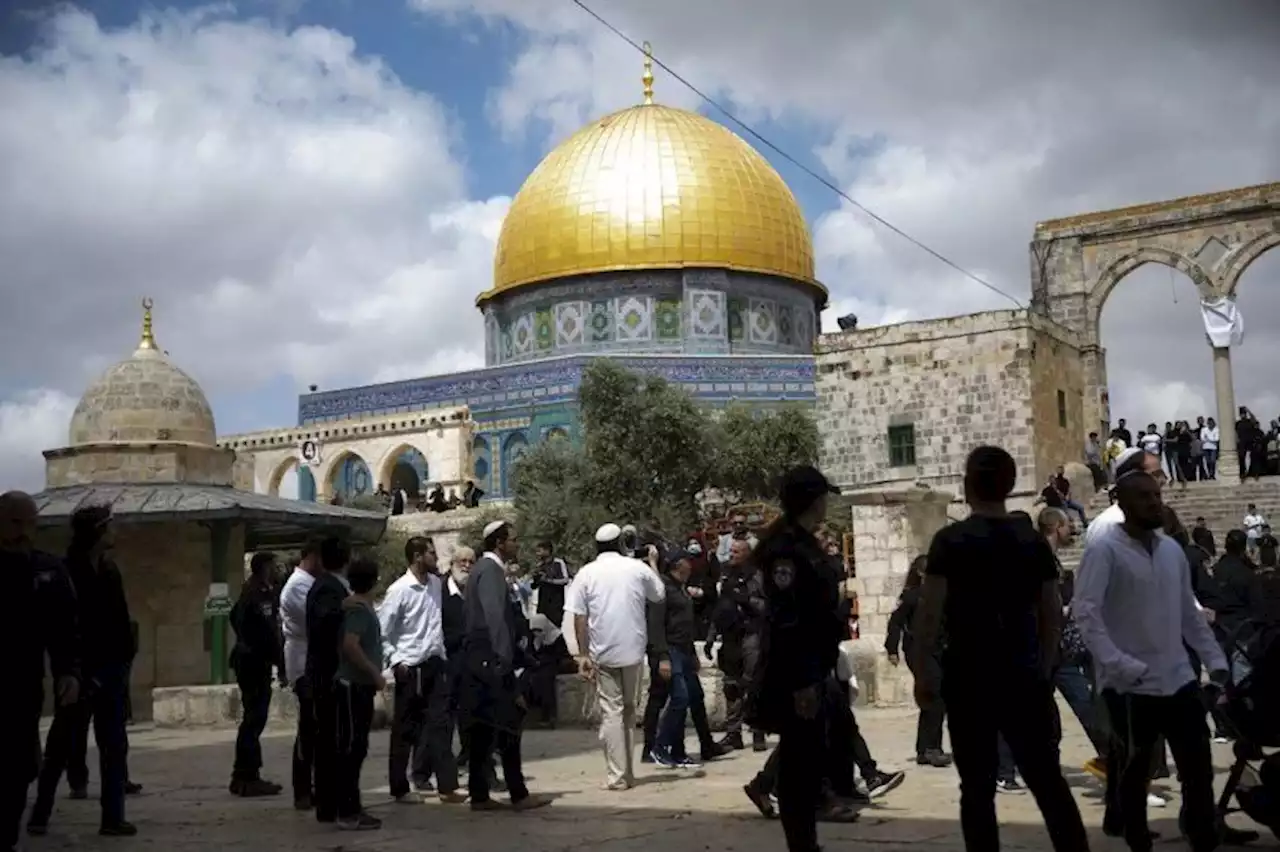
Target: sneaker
x=647, y=756
x=414, y=798
x=732, y=742
x=618, y=786
x=713, y=750
x=884, y=782
x=759, y=742
x=254, y=789
x=1154, y=801
x=1221, y=738
x=687, y=762
x=424, y=786
x=118, y=829
x=453, y=797
x=359, y=822
x=1010, y=786
x=663, y=760
x=488, y=805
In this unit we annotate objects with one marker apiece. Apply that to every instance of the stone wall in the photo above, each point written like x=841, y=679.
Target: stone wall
x=444, y=528
x=138, y=463
x=167, y=570
x=988, y=378
x=890, y=529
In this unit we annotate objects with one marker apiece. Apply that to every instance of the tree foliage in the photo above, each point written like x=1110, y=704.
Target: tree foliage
x=647, y=451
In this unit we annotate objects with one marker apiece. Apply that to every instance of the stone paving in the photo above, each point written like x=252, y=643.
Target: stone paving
x=186, y=808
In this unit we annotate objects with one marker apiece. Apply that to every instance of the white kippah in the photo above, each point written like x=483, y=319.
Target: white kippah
x=607, y=533
x=493, y=527
x=1128, y=454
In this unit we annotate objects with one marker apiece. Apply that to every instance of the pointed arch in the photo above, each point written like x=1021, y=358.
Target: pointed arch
x=405, y=466
x=1123, y=265
x=347, y=474
x=1244, y=257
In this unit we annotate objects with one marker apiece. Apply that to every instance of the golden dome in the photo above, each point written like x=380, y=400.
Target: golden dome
x=652, y=187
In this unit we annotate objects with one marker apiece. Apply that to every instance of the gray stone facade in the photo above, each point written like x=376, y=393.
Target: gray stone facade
x=904, y=404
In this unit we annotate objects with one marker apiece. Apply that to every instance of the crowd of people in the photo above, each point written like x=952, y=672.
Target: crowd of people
x=1139, y=641
x=1189, y=452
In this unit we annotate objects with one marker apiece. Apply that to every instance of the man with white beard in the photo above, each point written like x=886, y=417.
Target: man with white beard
x=608, y=601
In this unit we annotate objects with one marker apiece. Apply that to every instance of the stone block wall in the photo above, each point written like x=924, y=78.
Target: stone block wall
x=138, y=463
x=989, y=378
x=444, y=528
x=167, y=570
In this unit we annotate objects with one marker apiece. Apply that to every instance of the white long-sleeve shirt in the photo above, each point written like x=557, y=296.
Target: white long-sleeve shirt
x=410, y=616
x=1135, y=609
x=1209, y=437
x=293, y=622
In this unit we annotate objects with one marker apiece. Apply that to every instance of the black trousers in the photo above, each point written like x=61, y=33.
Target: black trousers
x=1137, y=723
x=254, y=681
x=19, y=763
x=422, y=729
x=844, y=748
x=324, y=698
x=304, y=740
x=659, y=692
x=482, y=741
x=1023, y=714
x=801, y=747
x=103, y=707
x=354, y=719
x=933, y=714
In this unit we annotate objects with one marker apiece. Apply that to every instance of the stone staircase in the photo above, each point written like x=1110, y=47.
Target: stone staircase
x=1222, y=507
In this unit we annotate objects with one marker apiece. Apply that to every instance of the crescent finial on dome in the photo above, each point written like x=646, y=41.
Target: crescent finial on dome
x=647, y=77
x=148, y=340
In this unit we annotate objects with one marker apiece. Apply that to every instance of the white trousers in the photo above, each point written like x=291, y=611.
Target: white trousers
x=616, y=692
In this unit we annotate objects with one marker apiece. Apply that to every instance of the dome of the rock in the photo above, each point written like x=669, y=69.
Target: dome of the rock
x=652, y=187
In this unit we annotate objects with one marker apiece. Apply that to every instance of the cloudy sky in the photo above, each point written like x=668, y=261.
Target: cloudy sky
x=311, y=189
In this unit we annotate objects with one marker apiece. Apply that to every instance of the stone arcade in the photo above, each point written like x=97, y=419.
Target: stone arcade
x=142, y=440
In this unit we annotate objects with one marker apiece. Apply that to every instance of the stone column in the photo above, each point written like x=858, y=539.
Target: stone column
x=1225, y=393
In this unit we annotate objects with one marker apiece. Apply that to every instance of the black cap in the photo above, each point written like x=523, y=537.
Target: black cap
x=801, y=486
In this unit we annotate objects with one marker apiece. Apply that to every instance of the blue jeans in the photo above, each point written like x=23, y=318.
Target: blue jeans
x=1210, y=462
x=1073, y=683
x=686, y=692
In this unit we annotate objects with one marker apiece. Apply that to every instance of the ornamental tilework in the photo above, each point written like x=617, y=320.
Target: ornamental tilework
x=508, y=350
x=737, y=319
x=763, y=325
x=634, y=319
x=544, y=329
x=522, y=335
x=601, y=322
x=786, y=325
x=492, y=339
x=804, y=328
x=667, y=315
x=706, y=314
x=571, y=323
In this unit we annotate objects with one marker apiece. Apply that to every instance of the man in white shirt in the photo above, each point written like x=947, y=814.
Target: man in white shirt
x=413, y=644
x=608, y=601
x=1209, y=441
x=1135, y=609
x=1253, y=523
x=293, y=625
x=1133, y=459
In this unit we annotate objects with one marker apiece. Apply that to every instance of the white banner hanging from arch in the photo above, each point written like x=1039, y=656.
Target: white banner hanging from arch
x=1223, y=322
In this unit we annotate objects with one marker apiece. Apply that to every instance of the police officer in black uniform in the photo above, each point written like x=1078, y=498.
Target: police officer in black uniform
x=798, y=650
x=255, y=619
x=40, y=619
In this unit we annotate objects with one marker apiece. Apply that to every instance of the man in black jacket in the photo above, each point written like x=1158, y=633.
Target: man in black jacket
x=672, y=629
x=737, y=620
x=1232, y=601
x=257, y=650
x=324, y=637
x=41, y=621
x=106, y=651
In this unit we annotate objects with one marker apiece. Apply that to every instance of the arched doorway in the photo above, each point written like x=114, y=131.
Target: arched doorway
x=1077, y=261
x=557, y=433
x=406, y=468
x=293, y=482
x=513, y=448
x=481, y=464
x=350, y=477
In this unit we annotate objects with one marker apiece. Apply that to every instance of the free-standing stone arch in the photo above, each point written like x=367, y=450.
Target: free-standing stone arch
x=1077, y=261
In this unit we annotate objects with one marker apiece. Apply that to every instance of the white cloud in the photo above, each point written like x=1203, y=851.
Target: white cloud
x=30, y=422
x=964, y=127
x=292, y=207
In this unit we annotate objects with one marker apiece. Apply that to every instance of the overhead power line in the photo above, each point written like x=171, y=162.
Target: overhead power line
x=766, y=142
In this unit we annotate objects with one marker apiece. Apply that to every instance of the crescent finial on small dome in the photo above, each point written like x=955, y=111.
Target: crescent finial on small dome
x=148, y=340
x=647, y=78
